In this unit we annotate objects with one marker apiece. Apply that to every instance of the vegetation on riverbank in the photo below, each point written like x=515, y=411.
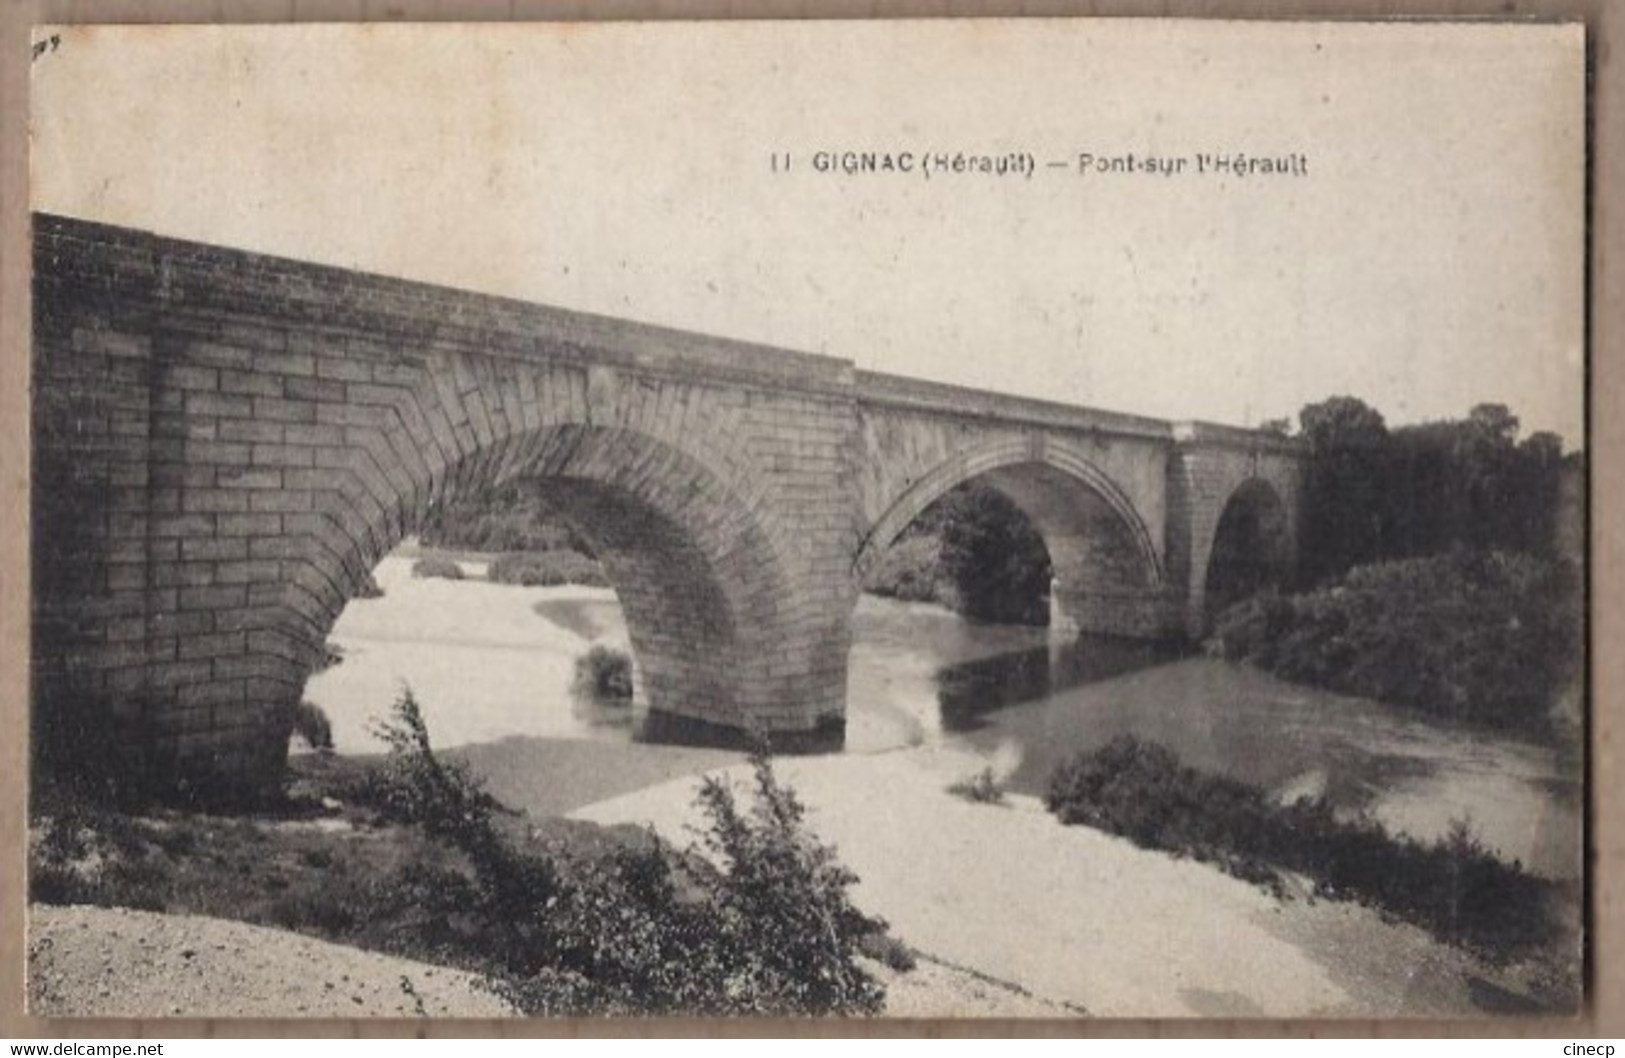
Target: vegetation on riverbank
x=546, y=569
x=438, y=566
x=974, y=552
x=1489, y=638
x=410, y=856
x=1374, y=493
x=981, y=788
x=513, y=518
x=1454, y=887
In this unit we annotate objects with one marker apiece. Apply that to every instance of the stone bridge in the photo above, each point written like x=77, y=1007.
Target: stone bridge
x=226, y=443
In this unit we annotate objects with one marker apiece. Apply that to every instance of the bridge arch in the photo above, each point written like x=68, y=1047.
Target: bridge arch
x=1251, y=549
x=697, y=577
x=1017, y=465
x=682, y=523
x=1107, y=570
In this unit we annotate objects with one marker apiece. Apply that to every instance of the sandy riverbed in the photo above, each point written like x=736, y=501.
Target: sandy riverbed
x=115, y=962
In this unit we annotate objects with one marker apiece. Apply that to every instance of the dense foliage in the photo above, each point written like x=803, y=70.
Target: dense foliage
x=1373, y=493
x=1490, y=638
x=975, y=551
x=437, y=566
x=760, y=924
x=1454, y=887
x=516, y=517
x=995, y=557
x=546, y=569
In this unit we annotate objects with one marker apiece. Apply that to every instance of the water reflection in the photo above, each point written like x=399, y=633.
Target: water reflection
x=601, y=712
x=969, y=690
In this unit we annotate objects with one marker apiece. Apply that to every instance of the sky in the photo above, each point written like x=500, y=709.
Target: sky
x=1429, y=257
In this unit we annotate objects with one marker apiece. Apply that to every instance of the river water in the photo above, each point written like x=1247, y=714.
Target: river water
x=492, y=664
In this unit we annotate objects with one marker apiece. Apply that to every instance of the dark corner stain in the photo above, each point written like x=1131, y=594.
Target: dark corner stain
x=51, y=43
x=1493, y=999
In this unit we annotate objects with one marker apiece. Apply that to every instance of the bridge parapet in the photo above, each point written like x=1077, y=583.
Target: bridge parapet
x=163, y=273
x=898, y=391
x=1221, y=435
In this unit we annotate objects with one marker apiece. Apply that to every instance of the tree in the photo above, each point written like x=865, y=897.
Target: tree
x=1339, y=423
x=1539, y=467
x=995, y=557
x=1345, y=498
x=1486, y=459
x=1494, y=424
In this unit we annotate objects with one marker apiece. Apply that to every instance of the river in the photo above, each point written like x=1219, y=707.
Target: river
x=492, y=666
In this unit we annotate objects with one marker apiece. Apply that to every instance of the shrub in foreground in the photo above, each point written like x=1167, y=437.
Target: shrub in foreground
x=1454, y=887
x=761, y=924
x=437, y=566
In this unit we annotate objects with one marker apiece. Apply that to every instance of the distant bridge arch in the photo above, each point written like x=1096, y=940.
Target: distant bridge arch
x=995, y=461
x=1106, y=565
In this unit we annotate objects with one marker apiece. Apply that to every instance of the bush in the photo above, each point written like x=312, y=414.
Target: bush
x=888, y=951
x=604, y=672
x=981, y=788
x=513, y=518
x=761, y=926
x=1453, y=887
x=436, y=566
x=1486, y=637
x=911, y=570
x=81, y=852
x=546, y=569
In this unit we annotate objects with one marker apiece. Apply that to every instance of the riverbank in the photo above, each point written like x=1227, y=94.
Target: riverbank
x=933, y=699
x=1011, y=913
x=320, y=908
x=1081, y=917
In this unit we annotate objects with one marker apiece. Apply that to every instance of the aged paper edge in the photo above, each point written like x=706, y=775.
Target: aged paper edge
x=1605, y=1007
